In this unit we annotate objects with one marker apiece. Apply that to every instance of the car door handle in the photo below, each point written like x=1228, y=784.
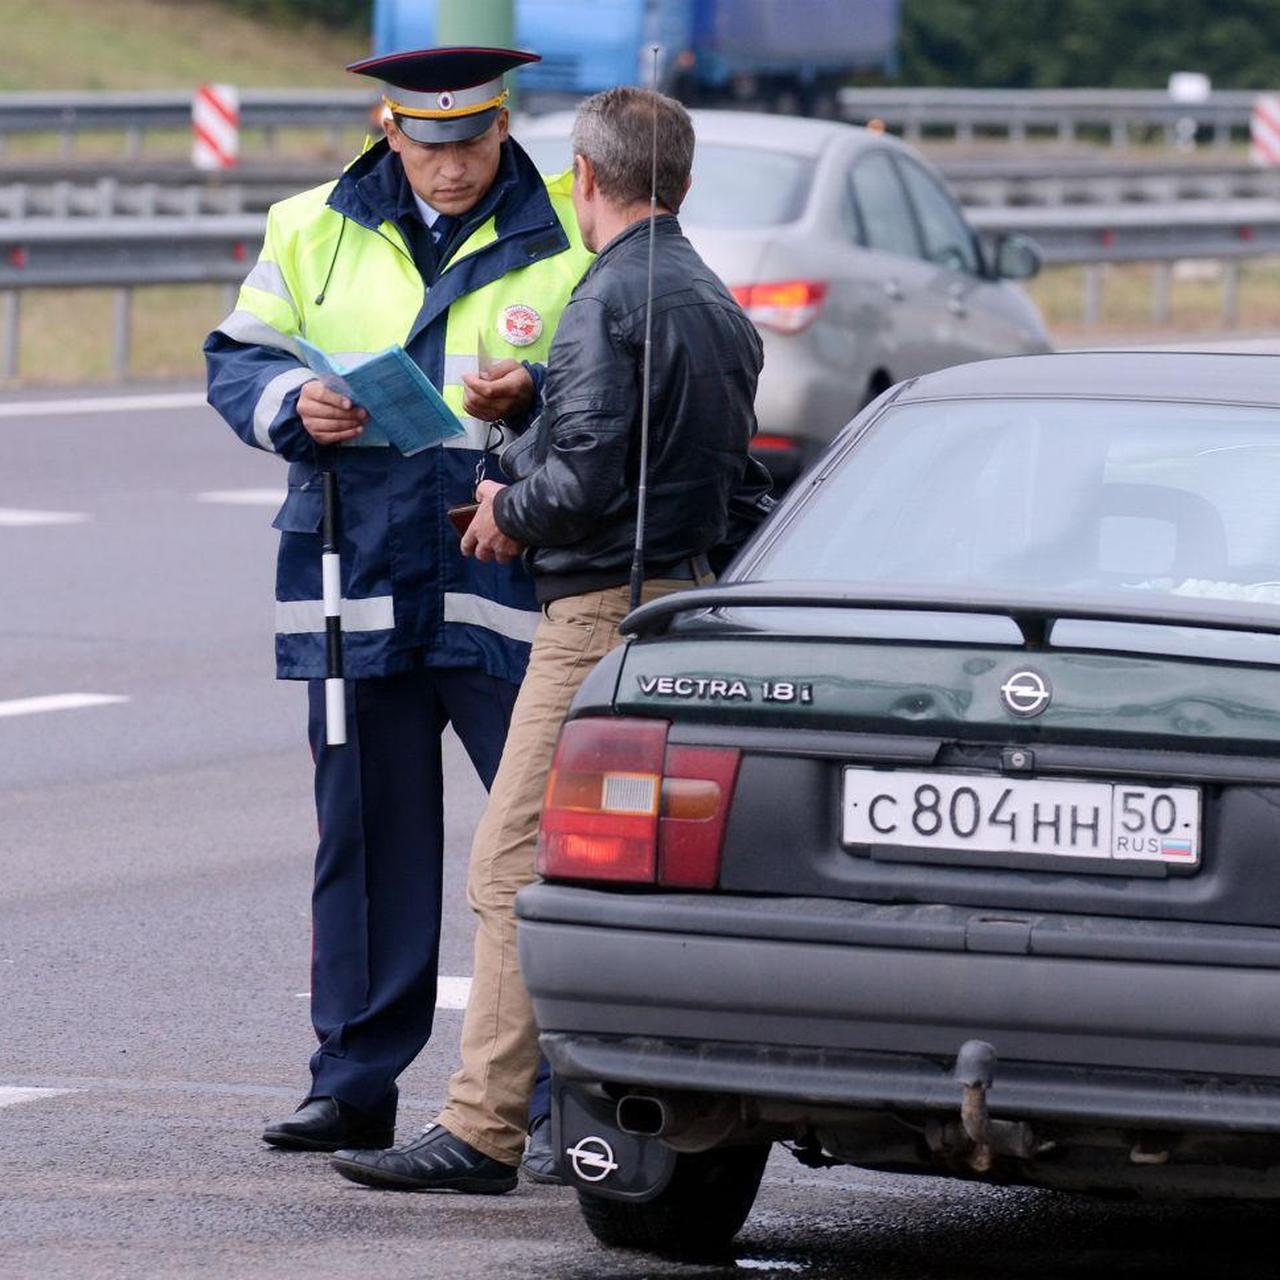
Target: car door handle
x=955, y=301
x=894, y=290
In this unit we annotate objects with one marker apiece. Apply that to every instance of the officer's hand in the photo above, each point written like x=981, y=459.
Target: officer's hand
x=329, y=417
x=505, y=391
x=483, y=539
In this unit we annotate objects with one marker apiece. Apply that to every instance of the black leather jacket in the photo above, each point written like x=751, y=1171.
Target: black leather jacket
x=573, y=500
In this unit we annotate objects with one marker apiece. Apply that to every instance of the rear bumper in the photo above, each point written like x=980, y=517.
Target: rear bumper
x=868, y=1081
x=853, y=1004
x=804, y=394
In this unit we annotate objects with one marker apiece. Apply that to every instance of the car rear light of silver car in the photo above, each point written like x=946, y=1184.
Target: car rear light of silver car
x=765, y=442
x=786, y=306
x=623, y=805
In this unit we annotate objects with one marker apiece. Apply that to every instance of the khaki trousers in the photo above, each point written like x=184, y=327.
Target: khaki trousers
x=489, y=1094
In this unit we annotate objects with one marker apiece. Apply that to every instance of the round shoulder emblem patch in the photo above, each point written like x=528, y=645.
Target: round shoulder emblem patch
x=520, y=325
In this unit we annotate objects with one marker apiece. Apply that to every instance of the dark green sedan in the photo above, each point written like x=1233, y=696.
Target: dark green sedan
x=943, y=834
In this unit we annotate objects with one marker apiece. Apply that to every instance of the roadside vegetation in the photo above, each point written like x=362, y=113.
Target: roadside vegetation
x=166, y=44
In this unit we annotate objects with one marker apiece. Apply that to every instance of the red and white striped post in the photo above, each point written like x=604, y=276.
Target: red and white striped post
x=215, y=124
x=1264, y=131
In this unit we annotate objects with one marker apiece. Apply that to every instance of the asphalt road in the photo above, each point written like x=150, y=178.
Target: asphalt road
x=154, y=937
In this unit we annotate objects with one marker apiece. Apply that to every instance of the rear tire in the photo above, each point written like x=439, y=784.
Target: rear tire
x=702, y=1208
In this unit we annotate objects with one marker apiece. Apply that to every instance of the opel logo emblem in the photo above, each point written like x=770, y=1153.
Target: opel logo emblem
x=1026, y=693
x=592, y=1159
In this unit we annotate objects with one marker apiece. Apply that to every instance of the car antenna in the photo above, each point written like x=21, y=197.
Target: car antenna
x=642, y=489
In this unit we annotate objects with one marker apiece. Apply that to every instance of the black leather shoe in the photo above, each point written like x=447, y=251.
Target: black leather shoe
x=539, y=1161
x=436, y=1161
x=325, y=1124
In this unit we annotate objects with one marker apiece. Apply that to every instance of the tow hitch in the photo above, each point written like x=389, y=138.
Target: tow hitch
x=983, y=1137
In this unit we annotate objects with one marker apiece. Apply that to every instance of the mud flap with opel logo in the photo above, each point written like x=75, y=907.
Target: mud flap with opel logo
x=595, y=1155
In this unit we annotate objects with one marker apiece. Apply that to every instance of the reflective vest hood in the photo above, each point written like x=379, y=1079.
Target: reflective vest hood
x=336, y=269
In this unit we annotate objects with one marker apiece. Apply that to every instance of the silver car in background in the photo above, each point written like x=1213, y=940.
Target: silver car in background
x=847, y=251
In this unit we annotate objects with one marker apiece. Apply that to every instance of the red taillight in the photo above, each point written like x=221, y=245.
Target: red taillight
x=784, y=305
x=763, y=442
x=696, y=792
x=600, y=811
x=622, y=805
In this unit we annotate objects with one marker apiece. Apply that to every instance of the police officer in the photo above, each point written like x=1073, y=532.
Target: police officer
x=444, y=238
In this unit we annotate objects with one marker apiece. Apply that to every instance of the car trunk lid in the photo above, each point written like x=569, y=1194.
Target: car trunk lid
x=820, y=717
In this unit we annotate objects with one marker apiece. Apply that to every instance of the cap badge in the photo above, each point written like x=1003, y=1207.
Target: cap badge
x=521, y=325
x=445, y=101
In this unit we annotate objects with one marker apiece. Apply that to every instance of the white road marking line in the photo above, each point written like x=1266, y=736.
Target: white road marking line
x=11, y=1097
x=244, y=497
x=451, y=993
x=20, y=518
x=102, y=404
x=57, y=702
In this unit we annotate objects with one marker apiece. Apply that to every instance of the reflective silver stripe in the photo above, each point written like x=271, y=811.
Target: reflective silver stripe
x=244, y=326
x=476, y=611
x=268, y=278
x=269, y=402
x=375, y=613
x=350, y=359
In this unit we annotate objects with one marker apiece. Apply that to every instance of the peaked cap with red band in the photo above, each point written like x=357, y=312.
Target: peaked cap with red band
x=444, y=95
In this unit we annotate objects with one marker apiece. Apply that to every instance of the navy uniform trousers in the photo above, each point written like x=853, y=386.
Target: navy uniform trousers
x=378, y=881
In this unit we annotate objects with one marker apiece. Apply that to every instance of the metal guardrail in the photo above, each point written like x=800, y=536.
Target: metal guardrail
x=1142, y=233
x=137, y=114
x=149, y=190
x=1023, y=182
x=137, y=189
x=119, y=253
x=126, y=253
x=1092, y=236
x=109, y=197
x=1015, y=114
x=137, y=251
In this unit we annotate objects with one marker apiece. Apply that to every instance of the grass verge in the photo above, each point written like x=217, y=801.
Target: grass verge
x=1128, y=301
x=165, y=44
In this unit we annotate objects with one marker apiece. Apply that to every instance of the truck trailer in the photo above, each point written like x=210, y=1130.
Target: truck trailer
x=782, y=55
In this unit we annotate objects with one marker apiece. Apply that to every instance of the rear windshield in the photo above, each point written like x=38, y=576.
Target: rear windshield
x=1156, y=501
x=732, y=186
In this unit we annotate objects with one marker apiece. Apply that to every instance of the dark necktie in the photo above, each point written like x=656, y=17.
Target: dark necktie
x=421, y=245
x=442, y=232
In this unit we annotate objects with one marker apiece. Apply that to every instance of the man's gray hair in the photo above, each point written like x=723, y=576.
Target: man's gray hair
x=614, y=130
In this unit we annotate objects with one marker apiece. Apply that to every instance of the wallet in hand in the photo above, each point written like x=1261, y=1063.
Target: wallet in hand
x=461, y=517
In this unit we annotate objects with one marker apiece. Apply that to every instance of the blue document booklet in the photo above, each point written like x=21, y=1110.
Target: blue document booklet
x=404, y=408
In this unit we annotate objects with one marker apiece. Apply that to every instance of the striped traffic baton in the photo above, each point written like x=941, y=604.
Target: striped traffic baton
x=335, y=691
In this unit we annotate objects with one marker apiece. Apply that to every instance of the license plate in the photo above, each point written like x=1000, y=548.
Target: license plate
x=1021, y=815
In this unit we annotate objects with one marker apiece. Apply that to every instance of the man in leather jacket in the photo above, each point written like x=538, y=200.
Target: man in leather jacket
x=571, y=510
